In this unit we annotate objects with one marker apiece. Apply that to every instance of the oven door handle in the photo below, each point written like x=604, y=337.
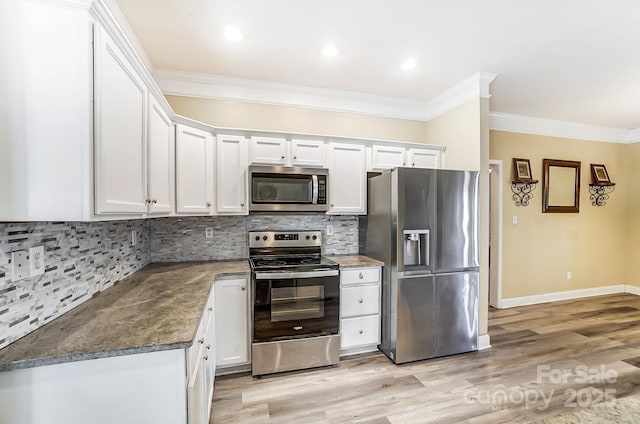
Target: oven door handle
x=286, y=275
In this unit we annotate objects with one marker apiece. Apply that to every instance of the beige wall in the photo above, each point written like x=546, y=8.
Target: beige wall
x=541, y=248
x=631, y=192
x=231, y=114
x=459, y=130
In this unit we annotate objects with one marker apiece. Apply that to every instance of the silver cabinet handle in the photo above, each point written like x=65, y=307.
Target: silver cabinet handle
x=243, y=288
x=360, y=276
x=360, y=301
x=201, y=341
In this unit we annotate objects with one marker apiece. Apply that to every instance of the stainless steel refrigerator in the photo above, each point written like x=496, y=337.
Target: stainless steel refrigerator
x=423, y=224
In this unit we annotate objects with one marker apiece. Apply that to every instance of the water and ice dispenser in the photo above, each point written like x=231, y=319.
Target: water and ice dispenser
x=416, y=247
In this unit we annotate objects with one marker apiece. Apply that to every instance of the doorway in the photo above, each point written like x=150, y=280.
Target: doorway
x=496, y=194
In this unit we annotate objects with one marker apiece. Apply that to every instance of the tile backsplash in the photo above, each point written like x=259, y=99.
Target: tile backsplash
x=81, y=259
x=183, y=238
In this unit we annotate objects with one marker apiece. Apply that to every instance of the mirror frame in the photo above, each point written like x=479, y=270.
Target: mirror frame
x=546, y=207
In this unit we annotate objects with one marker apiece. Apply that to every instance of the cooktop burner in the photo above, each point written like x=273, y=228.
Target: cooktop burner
x=285, y=262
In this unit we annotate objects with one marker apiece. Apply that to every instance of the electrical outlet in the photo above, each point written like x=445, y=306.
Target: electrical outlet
x=36, y=260
x=208, y=232
x=20, y=265
x=329, y=230
x=569, y=275
x=134, y=237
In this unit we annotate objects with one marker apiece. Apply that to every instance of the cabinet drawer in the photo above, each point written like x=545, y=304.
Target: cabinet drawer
x=360, y=275
x=359, y=300
x=361, y=331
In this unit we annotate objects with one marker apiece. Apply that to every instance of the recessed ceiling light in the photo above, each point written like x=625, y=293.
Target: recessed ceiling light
x=409, y=64
x=231, y=33
x=330, y=51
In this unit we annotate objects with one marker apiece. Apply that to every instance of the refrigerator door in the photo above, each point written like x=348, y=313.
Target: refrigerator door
x=416, y=213
x=457, y=230
x=414, y=309
x=456, y=313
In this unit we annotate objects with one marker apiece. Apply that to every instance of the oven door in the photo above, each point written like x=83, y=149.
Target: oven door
x=290, y=305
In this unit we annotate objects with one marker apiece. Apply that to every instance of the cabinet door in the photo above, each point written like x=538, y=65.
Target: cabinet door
x=388, y=157
x=424, y=158
x=232, y=322
x=231, y=175
x=194, y=171
x=161, y=160
x=347, y=179
x=196, y=396
x=120, y=125
x=268, y=151
x=307, y=153
x=209, y=364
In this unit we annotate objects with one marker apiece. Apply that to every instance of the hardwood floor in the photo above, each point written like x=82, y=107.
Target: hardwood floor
x=545, y=360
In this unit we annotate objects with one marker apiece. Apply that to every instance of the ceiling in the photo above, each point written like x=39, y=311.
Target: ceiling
x=568, y=60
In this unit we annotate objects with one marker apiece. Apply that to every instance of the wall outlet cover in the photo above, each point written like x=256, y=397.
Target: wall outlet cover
x=208, y=232
x=36, y=260
x=329, y=230
x=20, y=265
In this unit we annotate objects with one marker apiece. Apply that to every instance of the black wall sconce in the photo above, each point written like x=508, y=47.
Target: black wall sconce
x=523, y=184
x=601, y=186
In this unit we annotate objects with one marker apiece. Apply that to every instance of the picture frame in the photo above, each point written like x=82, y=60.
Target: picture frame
x=522, y=170
x=561, y=186
x=599, y=174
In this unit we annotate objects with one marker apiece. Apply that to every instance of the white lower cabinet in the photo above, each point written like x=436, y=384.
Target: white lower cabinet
x=359, y=309
x=232, y=322
x=164, y=387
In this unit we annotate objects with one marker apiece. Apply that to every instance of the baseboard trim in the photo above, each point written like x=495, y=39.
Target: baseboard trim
x=568, y=295
x=484, y=342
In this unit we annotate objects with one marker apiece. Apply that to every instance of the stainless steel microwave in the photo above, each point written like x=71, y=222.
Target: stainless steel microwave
x=293, y=189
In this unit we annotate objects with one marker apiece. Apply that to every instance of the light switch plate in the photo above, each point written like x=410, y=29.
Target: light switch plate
x=329, y=230
x=20, y=265
x=36, y=260
x=208, y=232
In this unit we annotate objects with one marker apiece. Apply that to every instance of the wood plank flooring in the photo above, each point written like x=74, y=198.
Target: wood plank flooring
x=545, y=360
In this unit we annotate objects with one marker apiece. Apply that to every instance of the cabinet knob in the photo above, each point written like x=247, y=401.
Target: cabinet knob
x=360, y=301
x=208, y=346
x=403, y=164
x=360, y=276
x=332, y=205
x=206, y=357
x=243, y=288
x=148, y=201
x=295, y=157
x=242, y=205
x=208, y=204
x=281, y=157
x=361, y=332
x=413, y=164
x=201, y=341
x=210, y=308
x=154, y=201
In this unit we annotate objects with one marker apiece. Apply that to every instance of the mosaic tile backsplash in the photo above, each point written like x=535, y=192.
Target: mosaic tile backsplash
x=81, y=259
x=183, y=239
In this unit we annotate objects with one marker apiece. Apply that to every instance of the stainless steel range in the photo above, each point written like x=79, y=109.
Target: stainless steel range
x=296, y=302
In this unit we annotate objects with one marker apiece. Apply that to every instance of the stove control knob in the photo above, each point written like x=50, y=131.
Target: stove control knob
x=257, y=238
x=264, y=238
x=315, y=237
x=307, y=237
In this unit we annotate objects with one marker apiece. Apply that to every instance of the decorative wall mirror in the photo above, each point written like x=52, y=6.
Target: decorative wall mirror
x=561, y=181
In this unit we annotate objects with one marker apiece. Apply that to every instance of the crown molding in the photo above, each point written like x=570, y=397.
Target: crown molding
x=78, y=4
x=193, y=84
x=633, y=135
x=548, y=127
x=471, y=88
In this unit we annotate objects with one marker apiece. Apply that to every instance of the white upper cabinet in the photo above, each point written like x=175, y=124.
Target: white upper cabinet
x=424, y=158
x=120, y=131
x=231, y=175
x=307, y=153
x=347, y=179
x=194, y=171
x=387, y=157
x=268, y=151
x=161, y=160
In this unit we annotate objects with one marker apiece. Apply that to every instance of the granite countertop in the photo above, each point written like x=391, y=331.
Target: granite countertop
x=156, y=308
x=353, y=261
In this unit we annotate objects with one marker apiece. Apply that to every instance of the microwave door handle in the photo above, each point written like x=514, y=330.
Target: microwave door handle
x=314, y=179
